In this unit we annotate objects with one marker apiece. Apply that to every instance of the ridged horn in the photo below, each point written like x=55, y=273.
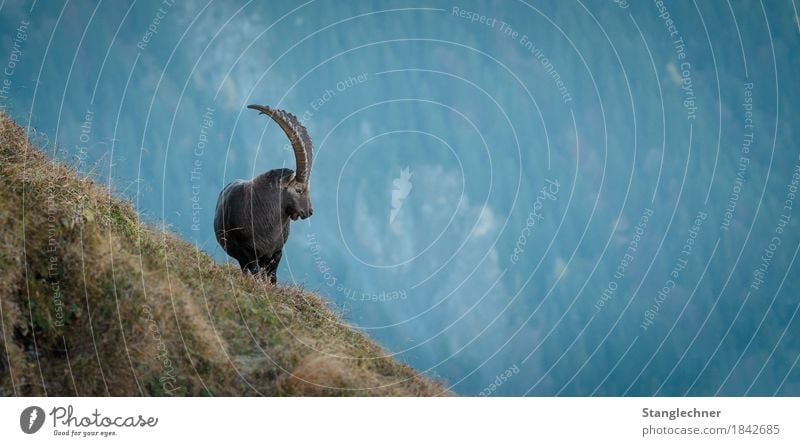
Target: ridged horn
x=298, y=137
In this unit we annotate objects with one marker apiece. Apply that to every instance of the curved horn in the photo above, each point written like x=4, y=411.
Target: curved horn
x=298, y=137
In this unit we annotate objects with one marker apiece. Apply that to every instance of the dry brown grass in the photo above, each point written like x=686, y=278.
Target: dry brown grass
x=95, y=302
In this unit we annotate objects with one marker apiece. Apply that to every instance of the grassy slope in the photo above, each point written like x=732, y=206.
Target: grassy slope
x=95, y=302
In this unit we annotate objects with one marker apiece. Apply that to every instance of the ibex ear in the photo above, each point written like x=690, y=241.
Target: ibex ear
x=287, y=180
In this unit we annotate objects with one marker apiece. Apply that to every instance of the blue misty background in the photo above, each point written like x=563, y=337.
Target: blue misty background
x=479, y=121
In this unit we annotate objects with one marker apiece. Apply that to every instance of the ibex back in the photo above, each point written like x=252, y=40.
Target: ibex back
x=252, y=217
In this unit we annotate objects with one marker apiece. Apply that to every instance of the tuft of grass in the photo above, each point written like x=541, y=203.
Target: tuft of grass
x=95, y=302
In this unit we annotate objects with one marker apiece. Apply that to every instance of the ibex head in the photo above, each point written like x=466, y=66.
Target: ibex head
x=295, y=196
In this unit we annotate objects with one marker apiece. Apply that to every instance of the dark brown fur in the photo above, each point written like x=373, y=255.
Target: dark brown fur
x=252, y=217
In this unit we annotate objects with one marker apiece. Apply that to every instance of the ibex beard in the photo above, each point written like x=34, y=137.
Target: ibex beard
x=252, y=217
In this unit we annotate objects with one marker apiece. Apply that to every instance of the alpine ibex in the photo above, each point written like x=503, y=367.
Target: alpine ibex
x=252, y=217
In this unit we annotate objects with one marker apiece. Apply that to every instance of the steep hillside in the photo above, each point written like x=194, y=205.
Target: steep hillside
x=95, y=302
